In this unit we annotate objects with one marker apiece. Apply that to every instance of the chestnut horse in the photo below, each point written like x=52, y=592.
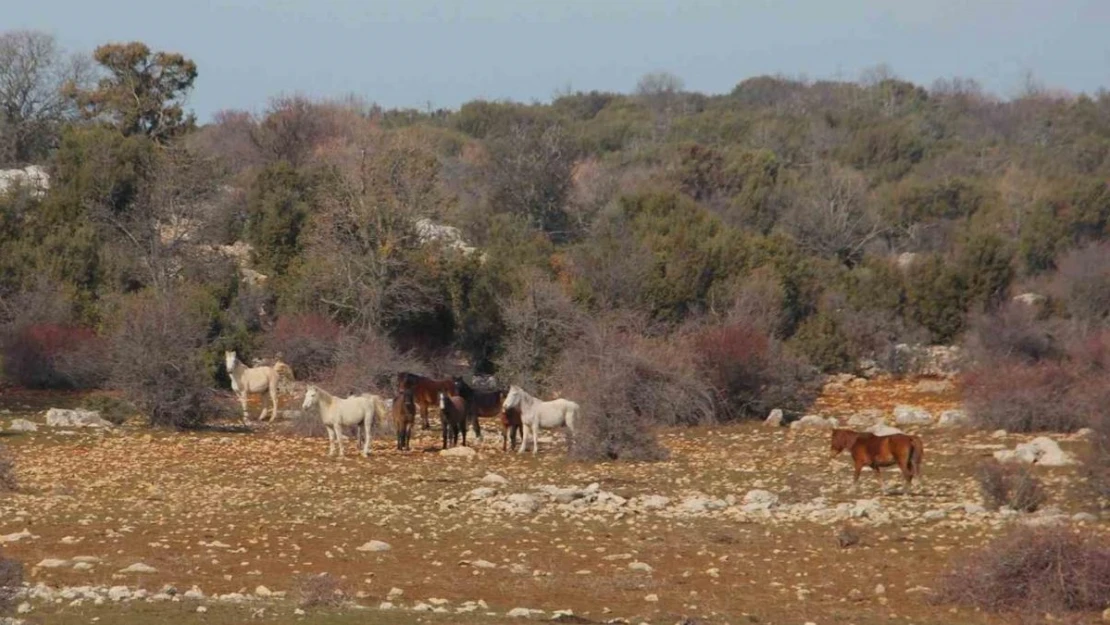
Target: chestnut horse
x=479, y=403
x=876, y=451
x=425, y=391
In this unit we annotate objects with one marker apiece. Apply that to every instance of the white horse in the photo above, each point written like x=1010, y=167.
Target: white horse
x=337, y=413
x=255, y=380
x=536, y=414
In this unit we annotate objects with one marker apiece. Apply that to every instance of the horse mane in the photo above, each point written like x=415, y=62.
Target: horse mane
x=464, y=390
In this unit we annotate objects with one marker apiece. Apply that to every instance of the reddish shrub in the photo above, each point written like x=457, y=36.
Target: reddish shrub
x=49, y=355
x=308, y=343
x=1032, y=571
x=750, y=373
x=1021, y=397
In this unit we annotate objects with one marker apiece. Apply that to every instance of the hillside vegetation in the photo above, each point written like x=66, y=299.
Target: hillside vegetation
x=720, y=248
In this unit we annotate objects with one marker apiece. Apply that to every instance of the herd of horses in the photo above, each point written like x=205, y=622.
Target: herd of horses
x=459, y=404
x=517, y=411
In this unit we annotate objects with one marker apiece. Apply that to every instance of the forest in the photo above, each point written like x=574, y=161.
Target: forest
x=662, y=256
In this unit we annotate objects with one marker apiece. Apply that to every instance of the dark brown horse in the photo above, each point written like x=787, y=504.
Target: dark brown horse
x=404, y=417
x=425, y=391
x=510, y=426
x=876, y=451
x=453, y=418
x=479, y=403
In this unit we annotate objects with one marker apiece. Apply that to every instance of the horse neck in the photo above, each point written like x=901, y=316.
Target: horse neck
x=325, y=398
x=526, y=402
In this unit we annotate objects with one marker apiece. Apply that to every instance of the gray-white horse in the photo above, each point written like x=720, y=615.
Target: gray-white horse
x=337, y=413
x=255, y=380
x=536, y=414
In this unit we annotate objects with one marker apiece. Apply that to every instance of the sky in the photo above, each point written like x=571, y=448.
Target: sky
x=442, y=53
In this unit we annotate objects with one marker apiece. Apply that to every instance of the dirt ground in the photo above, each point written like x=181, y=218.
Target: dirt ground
x=229, y=511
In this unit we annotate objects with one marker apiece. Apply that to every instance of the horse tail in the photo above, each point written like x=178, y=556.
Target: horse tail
x=917, y=454
x=280, y=366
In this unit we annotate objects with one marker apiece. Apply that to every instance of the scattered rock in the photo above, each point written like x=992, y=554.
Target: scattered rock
x=755, y=500
x=522, y=503
x=774, y=419
x=522, y=613
x=882, y=429
x=934, y=387
x=1030, y=299
x=652, y=598
x=23, y=425
x=813, y=421
x=641, y=567
x=911, y=415
x=62, y=418
x=953, y=418
x=865, y=419
x=262, y=591
x=483, y=492
x=374, y=545
x=495, y=479
x=1041, y=450
x=52, y=563
x=15, y=537
x=459, y=452
x=139, y=567
x=653, y=502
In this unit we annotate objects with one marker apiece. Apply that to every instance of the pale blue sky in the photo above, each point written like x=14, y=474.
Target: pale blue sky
x=449, y=51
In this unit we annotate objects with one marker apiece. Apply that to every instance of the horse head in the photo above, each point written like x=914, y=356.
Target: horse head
x=310, y=397
x=229, y=360
x=841, y=440
x=442, y=400
x=512, y=398
x=462, y=388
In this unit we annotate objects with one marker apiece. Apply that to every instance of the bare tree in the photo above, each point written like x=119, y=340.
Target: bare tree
x=661, y=92
x=830, y=214
x=33, y=72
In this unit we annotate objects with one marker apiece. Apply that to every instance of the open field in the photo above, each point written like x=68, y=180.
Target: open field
x=228, y=512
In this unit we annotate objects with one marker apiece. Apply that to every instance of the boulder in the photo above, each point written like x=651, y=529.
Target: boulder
x=911, y=415
x=23, y=425
x=459, y=452
x=653, y=502
x=812, y=421
x=865, y=418
x=774, y=419
x=62, y=418
x=755, y=500
x=953, y=418
x=374, y=545
x=882, y=429
x=1041, y=450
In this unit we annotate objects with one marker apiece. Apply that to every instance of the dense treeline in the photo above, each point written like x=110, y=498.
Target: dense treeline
x=753, y=235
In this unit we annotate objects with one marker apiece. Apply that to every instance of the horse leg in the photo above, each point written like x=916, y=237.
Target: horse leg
x=523, y=438
x=424, y=415
x=243, y=402
x=331, y=440
x=536, y=437
x=273, y=401
x=855, y=478
x=366, y=443
x=339, y=438
x=879, y=474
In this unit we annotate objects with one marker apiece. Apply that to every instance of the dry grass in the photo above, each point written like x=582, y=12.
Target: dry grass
x=11, y=579
x=8, y=481
x=318, y=590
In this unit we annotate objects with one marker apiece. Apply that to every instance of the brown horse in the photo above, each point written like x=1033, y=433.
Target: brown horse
x=510, y=426
x=479, y=403
x=875, y=451
x=425, y=391
x=404, y=417
x=453, y=418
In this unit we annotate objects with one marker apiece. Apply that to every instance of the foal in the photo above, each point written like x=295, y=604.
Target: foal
x=453, y=416
x=875, y=451
x=511, y=426
x=404, y=417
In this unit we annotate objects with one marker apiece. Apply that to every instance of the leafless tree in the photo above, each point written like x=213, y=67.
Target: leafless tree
x=33, y=71
x=831, y=215
x=661, y=92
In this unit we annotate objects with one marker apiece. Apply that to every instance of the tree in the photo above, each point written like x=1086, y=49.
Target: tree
x=831, y=215
x=143, y=92
x=277, y=207
x=530, y=174
x=33, y=72
x=661, y=93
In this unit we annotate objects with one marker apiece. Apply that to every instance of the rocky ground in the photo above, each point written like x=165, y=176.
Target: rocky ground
x=745, y=523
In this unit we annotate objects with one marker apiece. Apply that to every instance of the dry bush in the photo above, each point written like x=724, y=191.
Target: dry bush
x=1013, y=332
x=57, y=356
x=158, y=359
x=1032, y=571
x=11, y=581
x=540, y=322
x=369, y=363
x=625, y=391
x=1013, y=486
x=1082, y=283
x=1097, y=456
x=1020, y=397
x=8, y=481
x=322, y=590
x=750, y=373
x=308, y=343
